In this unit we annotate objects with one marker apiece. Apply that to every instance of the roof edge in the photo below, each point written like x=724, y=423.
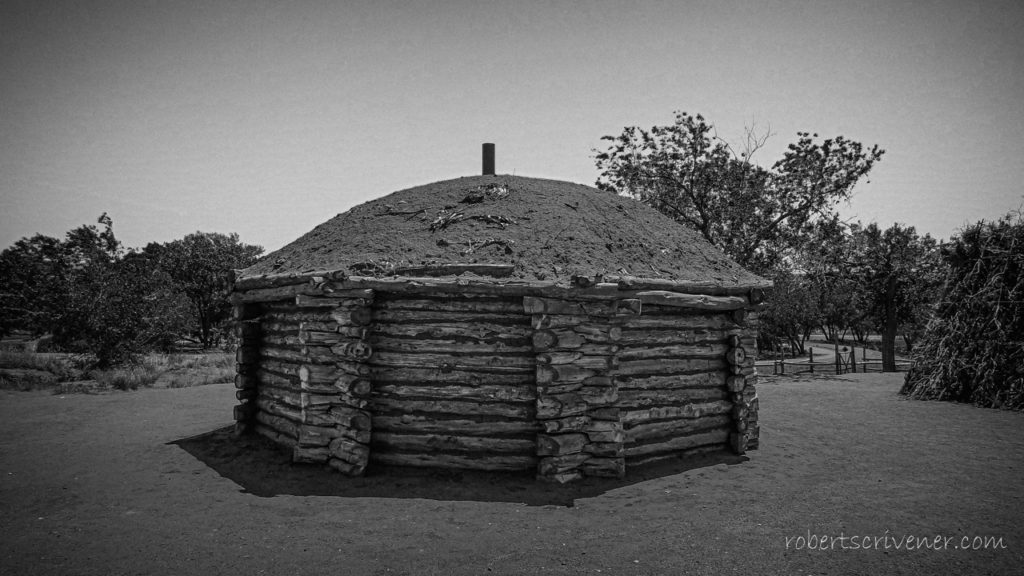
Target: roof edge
x=266, y=287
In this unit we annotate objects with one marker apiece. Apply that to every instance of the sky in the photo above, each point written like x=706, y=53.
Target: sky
x=268, y=118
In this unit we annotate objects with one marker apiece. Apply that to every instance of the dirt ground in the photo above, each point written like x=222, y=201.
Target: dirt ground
x=147, y=482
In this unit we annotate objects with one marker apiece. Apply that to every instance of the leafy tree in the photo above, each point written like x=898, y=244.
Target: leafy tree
x=757, y=216
x=900, y=275
x=825, y=260
x=198, y=265
x=33, y=276
x=792, y=312
x=89, y=294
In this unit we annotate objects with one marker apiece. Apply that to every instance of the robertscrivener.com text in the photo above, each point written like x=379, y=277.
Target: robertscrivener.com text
x=888, y=541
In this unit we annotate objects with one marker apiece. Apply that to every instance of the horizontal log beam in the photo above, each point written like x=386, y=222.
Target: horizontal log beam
x=422, y=424
x=604, y=467
x=390, y=441
x=552, y=406
x=513, y=333
x=553, y=466
x=482, y=393
x=447, y=362
x=586, y=339
x=647, y=431
x=717, y=350
x=612, y=285
x=468, y=462
x=282, y=425
x=629, y=283
x=294, y=316
x=330, y=301
x=349, y=450
x=288, y=369
x=347, y=468
x=268, y=378
x=242, y=282
x=434, y=375
x=672, y=382
x=450, y=346
x=491, y=270
x=565, y=373
x=692, y=301
x=560, y=444
x=632, y=417
x=281, y=403
x=668, y=366
x=310, y=454
x=653, y=337
x=282, y=340
x=524, y=410
x=715, y=436
x=338, y=416
x=484, y=304
x=323, y=435
x=273, y=435
x=690, y=453
x=279, y=293
x=535, y=305
x=352, y=317
x=434, y=317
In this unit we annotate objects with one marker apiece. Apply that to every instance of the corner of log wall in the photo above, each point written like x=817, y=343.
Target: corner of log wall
x=247, y=333
x=576, y=345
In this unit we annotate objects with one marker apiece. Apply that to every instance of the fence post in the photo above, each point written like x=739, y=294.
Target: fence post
x=853, y=360
x=838, y=358
x=810, y=358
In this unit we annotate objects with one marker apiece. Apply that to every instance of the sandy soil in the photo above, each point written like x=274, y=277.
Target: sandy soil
x=143, y=483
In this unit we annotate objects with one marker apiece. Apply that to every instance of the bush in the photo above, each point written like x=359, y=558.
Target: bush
x=971, y=350
x=131, y=377
x=62, y=367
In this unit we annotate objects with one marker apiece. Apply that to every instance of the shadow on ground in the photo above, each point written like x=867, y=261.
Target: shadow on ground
x=263, y=469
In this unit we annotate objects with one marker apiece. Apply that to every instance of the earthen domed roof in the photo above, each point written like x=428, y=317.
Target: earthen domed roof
x=546, y=229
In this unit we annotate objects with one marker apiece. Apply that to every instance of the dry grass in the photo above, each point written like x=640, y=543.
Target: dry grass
x=62, y=366
x=127, y=377
x=67, y=374
x=184, y=370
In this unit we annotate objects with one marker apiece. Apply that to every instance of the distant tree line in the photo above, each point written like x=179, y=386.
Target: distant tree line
x=781, y=222
x=93, y=296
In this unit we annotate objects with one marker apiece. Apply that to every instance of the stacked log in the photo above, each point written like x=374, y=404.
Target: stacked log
x=313, y=377
x=576, y=346
x=453, y=382
x=742, y=386
x=247, y=334
x=678, y=366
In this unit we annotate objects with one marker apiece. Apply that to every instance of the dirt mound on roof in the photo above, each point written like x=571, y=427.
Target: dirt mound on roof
x=547, y=229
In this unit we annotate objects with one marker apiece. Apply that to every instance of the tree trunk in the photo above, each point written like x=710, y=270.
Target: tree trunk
x=889, y=330
x=908, y=341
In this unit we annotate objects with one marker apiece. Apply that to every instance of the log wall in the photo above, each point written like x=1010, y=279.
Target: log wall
x=572, y=382
x=453, y=382
x=307, y=381
x=673, y=378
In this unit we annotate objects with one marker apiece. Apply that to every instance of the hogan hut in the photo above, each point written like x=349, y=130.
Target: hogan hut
x=498, y=323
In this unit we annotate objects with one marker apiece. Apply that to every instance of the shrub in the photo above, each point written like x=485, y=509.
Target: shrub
x=971, y=350
x=62, y=367
x=130, y=377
